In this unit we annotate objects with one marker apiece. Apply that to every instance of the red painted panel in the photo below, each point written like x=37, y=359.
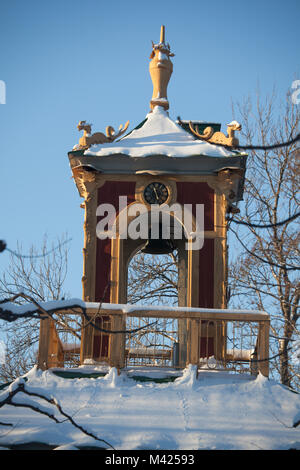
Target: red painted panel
x=206, y=347
x=201, y=193
x=109, y=193
x=206, y=274
x=100, y=346
x=103, y=258
x=111, y=190
x=198, y=193
x=101, y=340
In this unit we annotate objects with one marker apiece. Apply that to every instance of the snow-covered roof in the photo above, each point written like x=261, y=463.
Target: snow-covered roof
x=159, y=135
x=217, y=411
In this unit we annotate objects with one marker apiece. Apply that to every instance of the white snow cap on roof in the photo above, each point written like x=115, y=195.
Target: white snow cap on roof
x=233, y=123
x=159, y=136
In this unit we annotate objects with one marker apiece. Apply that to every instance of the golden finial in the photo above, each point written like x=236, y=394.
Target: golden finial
x=161, y=69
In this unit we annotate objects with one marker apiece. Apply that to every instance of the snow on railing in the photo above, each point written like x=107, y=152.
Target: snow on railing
x=130, y=335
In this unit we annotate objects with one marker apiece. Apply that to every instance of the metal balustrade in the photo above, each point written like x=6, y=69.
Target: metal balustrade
x=129, y=336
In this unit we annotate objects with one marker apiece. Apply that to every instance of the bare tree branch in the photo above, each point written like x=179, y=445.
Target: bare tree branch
x=19, y=387
x=265, y=273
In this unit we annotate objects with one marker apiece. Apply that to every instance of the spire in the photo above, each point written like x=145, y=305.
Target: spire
x=161, y=69
x=162, y=34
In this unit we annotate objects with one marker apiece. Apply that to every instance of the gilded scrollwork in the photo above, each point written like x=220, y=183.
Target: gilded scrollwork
x=97, y=138
x=209, y=135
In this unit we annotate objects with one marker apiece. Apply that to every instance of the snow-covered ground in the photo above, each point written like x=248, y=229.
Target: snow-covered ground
x=218, y=410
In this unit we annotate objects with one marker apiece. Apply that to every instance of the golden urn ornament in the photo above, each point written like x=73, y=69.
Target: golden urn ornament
x=161, y=69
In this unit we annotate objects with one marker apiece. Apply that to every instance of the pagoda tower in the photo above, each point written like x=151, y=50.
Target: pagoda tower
x=191, y=167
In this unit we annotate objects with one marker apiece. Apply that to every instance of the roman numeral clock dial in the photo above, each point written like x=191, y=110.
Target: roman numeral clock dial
x=156, y=193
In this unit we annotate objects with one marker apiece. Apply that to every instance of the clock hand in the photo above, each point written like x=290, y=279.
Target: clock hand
x=157, y=197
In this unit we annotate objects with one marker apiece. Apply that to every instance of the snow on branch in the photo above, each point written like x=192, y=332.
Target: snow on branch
x=9, y=397
x=11, y=312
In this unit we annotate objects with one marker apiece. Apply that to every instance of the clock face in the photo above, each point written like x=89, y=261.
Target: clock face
x=156, y=193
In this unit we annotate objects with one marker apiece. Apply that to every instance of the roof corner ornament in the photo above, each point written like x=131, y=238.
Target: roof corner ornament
x=218, y=137
x=161, y=69
x=97, y=138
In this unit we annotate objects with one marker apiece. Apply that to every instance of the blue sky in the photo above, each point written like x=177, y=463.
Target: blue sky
x=65, y=61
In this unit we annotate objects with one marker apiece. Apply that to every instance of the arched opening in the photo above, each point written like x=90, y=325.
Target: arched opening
x=143, y=279
x=157, y=279
x=152, y=280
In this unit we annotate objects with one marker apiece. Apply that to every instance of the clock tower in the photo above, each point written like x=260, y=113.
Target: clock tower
x=161, y=186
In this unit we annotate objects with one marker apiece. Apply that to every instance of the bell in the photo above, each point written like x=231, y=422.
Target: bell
x=158, y=246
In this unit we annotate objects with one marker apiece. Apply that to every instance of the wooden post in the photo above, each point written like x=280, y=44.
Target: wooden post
x=55, y=350
x=44, y=341
x=193, y=356
x=263, y=347
x=50, y=350
x=86, y=349
x=117, y=343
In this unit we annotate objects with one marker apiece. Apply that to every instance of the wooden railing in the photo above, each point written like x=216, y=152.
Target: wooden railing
x=207, y=332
